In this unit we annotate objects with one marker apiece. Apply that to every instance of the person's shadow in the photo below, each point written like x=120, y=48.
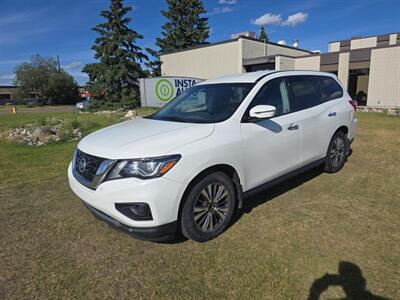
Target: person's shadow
x=351, y=280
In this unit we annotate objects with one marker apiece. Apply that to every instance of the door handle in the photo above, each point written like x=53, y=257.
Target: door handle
x=293, y=126
x=332, y=114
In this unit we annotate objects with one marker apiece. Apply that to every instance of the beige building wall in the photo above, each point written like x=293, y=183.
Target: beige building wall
x=252, y=49
x=311, y=63
x=393, y=39
x=384, y=77
x=363, y=43
x=220, y=59
x=284, y=63
x=204, y=62
x=276, y=50
x=7, y=91
x=334, y=47
x=343, y=70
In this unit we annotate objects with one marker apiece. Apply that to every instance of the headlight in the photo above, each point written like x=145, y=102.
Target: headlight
x=144, y=168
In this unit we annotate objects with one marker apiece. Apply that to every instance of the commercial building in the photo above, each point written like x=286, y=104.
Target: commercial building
x=369, y=67
x=7, y=93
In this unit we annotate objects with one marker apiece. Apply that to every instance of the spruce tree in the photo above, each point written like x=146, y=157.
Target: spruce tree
x=186, y=27
x=263, y=35
x=113, y=80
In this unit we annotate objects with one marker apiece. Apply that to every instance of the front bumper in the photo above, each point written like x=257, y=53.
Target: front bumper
x=158, y=233
x=161, y=194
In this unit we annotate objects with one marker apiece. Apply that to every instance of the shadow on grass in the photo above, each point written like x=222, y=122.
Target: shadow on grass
x=265, y=196
x=351, y=280
x=275, y=191
x=262, y=197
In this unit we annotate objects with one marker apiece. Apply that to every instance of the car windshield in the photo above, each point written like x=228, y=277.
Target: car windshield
x=205, y=103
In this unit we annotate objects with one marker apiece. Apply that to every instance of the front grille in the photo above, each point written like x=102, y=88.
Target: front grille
x=86, y=165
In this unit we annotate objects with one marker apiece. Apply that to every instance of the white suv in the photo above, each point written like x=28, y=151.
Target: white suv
x=188, y=167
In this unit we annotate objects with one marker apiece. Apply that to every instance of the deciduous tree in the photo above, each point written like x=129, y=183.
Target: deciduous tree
x=42, y=78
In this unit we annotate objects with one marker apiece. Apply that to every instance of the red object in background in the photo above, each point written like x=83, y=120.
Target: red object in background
x=86, y=94
x=354, y=104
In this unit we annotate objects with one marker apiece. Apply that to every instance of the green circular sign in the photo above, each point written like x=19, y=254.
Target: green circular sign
x=164, y=90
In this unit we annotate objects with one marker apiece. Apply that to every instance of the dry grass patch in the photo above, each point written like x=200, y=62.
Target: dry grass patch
x=284, y=240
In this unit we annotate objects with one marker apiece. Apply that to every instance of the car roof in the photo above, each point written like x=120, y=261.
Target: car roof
x=252, y=77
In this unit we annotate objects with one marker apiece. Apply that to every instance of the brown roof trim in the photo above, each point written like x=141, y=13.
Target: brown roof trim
x=363, y=37
x=370, y=48
x=361, y=49
x=235, y=40
x=266, y=59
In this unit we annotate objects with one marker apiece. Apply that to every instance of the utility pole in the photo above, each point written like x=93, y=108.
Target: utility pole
x=58, y=63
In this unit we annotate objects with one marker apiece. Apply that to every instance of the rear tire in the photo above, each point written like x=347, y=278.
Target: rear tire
x=337, y=153
x=208, y=208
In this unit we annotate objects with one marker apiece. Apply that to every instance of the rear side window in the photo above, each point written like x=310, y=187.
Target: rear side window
x=304, y=91
x=330, y=88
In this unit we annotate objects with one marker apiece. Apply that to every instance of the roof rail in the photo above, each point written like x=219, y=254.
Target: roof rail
x=265, y=75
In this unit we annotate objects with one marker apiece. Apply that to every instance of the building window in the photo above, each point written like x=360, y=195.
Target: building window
x=260, y=67
x=5, y=96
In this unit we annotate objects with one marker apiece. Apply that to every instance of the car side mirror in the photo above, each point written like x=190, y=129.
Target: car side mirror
x=262, y=111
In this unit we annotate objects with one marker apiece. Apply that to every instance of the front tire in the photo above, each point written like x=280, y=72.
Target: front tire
x=337, y=153
x=208, y=207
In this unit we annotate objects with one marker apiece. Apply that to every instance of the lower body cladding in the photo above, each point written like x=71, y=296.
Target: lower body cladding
x=145, y=209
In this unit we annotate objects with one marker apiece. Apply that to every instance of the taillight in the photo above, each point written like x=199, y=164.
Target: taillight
x=354, y=104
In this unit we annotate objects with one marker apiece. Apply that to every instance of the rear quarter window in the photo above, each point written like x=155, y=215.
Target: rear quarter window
x=330, y=88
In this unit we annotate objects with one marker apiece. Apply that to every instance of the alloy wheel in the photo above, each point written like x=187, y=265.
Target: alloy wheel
x=211, y=207
x=338, y=151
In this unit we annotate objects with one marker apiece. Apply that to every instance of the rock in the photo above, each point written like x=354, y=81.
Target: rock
x=131, y=114
x=42, y=134
x=39, y=135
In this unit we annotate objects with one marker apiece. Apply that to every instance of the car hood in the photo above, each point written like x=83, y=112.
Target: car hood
x=142, y=138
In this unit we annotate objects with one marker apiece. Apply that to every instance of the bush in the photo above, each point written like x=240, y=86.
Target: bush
x=69, y=127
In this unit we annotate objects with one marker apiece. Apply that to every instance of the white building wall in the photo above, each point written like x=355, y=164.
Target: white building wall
x=384, y=77
x=311, y=63
x=343, y=70
x=363, y=43
x=204, y=62
x=334, y=47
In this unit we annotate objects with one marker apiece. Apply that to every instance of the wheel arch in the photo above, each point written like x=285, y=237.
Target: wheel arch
x=342, y=128
x=225, y=168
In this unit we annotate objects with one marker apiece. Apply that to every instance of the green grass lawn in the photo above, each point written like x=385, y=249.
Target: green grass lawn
x=283, y=241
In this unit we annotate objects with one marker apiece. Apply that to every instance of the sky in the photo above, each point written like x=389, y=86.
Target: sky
x=59, y=27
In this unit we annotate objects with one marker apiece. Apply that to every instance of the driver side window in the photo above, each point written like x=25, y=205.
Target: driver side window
x=274, y=93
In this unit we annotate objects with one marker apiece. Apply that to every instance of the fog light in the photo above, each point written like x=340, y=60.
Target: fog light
x=135, y=211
